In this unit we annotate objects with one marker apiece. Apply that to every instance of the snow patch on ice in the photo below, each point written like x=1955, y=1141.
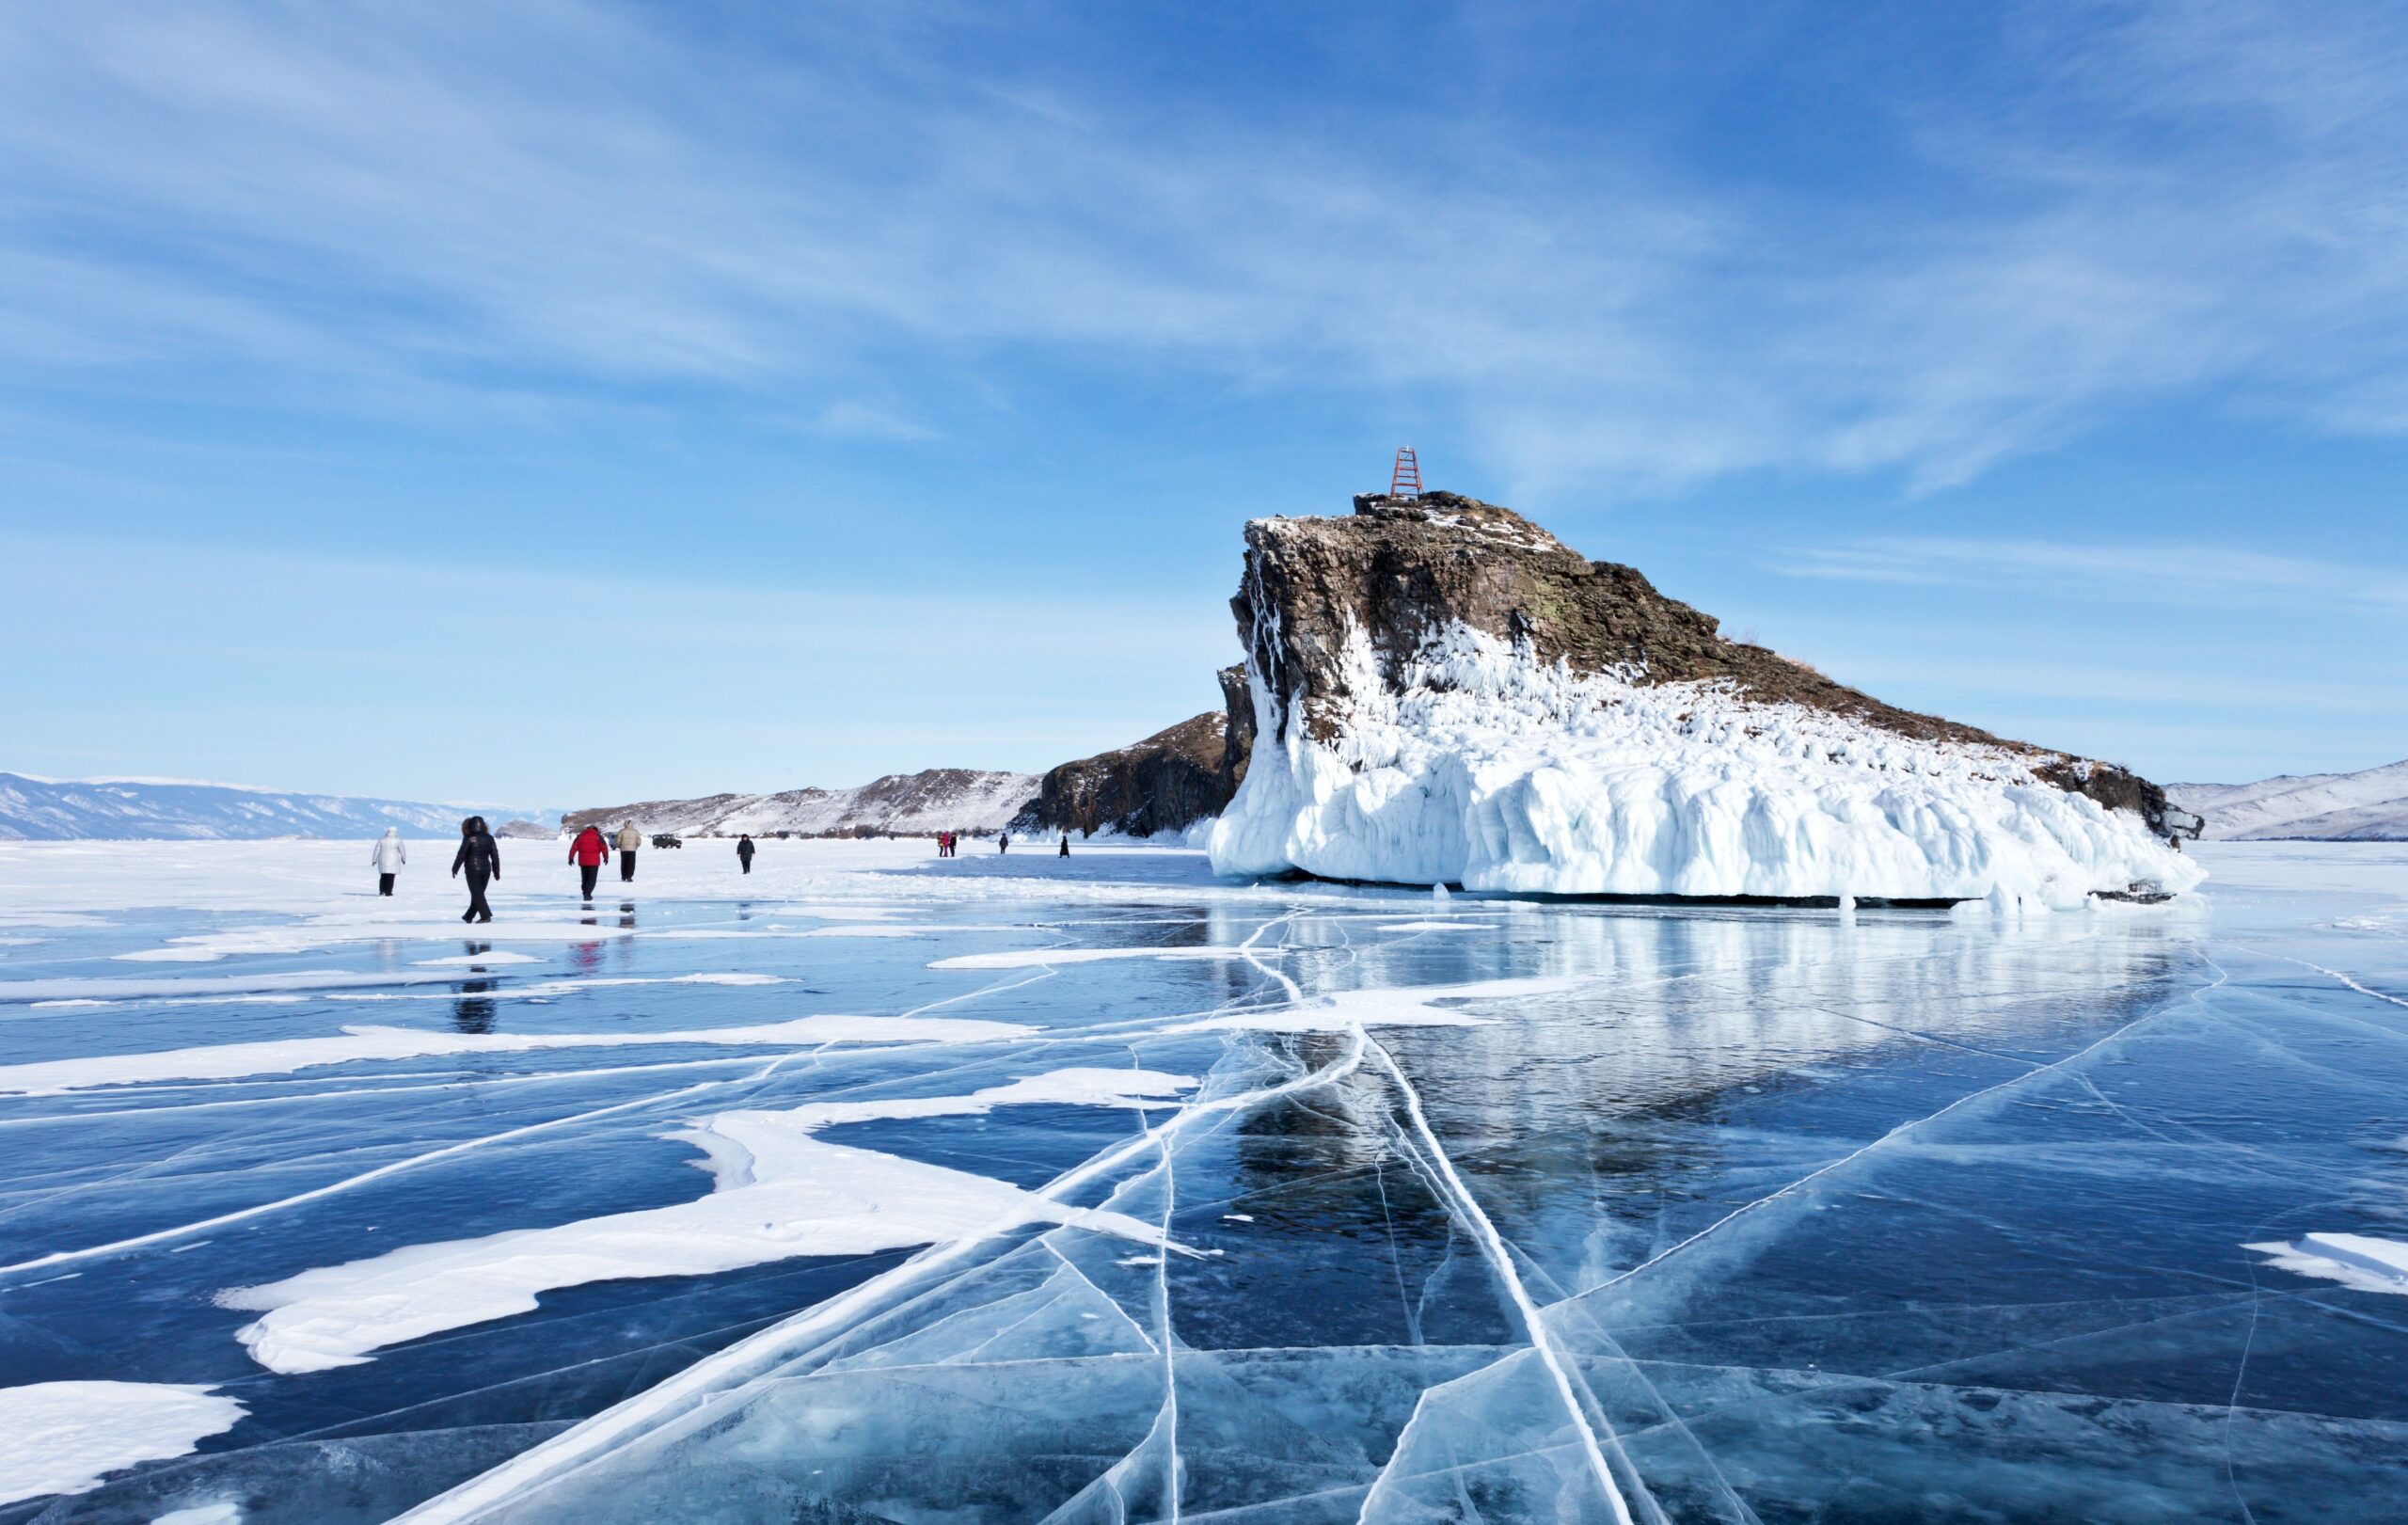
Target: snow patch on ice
x=65, y=1436
x=66, y=988
x=2353, y=1259
x=778, y=1193
x=477, y=960
x=331, y=930
x=1478, y=765
x=1072, y=1087
x=230, y=1061
x=247, y=993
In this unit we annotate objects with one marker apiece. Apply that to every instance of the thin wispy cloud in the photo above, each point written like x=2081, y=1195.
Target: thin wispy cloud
x=2139, y=573
x=334, y=207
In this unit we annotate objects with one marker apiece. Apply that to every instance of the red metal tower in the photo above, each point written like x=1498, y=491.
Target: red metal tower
x=1406, y=482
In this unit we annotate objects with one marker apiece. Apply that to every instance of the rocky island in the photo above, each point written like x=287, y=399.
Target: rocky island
x=1444, y=692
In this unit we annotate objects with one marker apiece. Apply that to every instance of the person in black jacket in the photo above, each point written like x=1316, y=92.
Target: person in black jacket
x=483, y=860
x=744, y=851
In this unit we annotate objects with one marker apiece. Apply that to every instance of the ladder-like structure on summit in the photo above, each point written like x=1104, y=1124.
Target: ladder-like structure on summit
x=1406, y=481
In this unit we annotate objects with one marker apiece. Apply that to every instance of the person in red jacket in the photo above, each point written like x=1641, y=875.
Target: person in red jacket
x=587, y=852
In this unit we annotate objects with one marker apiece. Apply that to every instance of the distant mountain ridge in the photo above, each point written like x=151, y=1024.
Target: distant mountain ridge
x=2369, y=805
x=54, y=810
x=906, y=804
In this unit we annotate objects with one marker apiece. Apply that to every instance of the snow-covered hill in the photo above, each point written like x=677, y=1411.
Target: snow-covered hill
x=2370, y=805
x=910, y=804
x=42, y=809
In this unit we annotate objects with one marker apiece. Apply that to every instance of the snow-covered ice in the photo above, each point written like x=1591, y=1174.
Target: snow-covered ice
x=2366, y=1262
x=1124, y=1191
x=65, y=1436
x=1485, y=768
x=780, y=1194
x=226, y=1061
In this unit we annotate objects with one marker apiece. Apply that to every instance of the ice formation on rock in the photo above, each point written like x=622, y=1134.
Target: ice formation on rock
x=1486, y=769
x=1417, y=724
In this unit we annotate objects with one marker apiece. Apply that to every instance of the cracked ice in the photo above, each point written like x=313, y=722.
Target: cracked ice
x=1116, y=1191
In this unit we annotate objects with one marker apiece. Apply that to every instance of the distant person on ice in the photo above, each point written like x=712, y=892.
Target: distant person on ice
x=388, y=855
x=744, y=851
x=1003, y=841
x=629, y=839
x=483, y=861
x=587, y=852
x=1065, y=846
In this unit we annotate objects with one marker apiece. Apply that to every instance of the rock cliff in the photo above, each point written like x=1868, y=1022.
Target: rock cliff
x=1166, y=782
x=1447, y=692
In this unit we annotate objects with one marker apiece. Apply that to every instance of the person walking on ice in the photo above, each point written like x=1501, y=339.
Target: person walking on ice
x=1003, y=841
x=388, y=855
x=482, y=860
x=587, y=852
x=744, y=851
x=1066, y=844
x=629, y=839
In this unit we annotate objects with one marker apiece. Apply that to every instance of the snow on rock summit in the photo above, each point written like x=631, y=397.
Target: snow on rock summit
x=1443, y=692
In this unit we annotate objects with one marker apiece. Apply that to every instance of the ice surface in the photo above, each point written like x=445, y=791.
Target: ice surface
x=1425, y=1006
x=1728, y=1214
x=224, y=1061
x=1485, y=768
x=221, y=1513
x=1047, y=958
x=65, y=1436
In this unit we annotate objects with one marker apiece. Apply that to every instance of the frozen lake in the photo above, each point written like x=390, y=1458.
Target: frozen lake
x=875, y=1187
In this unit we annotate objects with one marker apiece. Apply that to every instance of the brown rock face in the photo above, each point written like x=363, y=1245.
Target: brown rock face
x=1166, y=782
x=1237, y=699
x=1402, y=570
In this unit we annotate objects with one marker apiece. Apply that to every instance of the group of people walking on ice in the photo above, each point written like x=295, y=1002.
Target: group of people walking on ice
x=480, y=858
x=949, y=844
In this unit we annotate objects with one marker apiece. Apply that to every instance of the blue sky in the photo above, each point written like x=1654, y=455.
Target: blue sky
x=570, y=401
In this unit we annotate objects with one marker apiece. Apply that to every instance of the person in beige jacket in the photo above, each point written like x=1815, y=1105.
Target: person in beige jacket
x=629, y=839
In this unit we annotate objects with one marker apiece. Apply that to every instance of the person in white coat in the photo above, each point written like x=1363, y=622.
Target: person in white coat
x=388, y=855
